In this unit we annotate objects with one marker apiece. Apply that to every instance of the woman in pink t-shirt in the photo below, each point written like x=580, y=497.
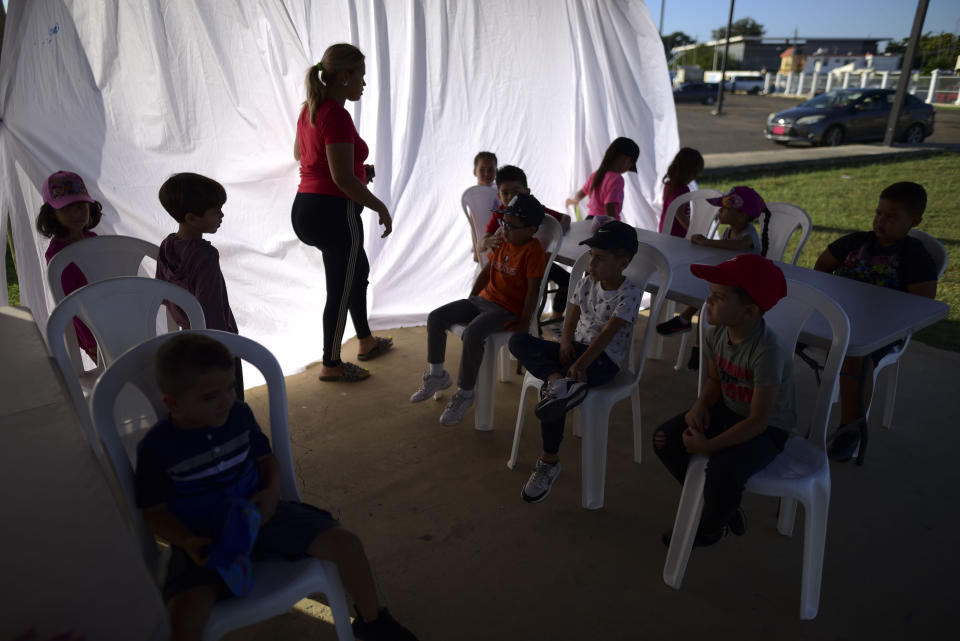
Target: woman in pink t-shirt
x=332, y=193
x=605, y=185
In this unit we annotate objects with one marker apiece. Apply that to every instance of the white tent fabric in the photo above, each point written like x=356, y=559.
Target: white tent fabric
x=126, y=94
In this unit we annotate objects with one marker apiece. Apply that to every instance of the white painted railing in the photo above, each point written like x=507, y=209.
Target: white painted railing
x=933, y=88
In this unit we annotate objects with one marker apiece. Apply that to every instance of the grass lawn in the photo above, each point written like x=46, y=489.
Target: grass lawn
x=843, y=200
x=13, y=288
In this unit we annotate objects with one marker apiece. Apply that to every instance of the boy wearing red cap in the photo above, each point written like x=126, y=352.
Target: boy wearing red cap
x=747, y=407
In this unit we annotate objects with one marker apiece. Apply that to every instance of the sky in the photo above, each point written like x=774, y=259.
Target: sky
x=811, y=18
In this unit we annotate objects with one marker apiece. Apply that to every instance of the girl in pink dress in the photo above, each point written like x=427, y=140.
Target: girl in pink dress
x=67, y=216
x=683, y=170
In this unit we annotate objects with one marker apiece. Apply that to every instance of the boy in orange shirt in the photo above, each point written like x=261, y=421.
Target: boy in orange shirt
x=505, y=293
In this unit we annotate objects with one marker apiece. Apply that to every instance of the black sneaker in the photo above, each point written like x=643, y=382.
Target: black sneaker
x=700, y=541
x=676, y=325
x=383, y=628
x=559, y=397
x=694, y=362
x=844, y=445
x=738, y=522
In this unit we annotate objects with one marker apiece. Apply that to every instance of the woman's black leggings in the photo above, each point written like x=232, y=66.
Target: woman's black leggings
x=333, y=225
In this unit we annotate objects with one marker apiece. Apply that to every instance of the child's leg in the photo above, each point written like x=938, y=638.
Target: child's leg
x=688, y=313
x=851, y=409
x=669, y=448
x=189, y=611
x=491, y=318
x=541, y=357
x=344, y=548
x=440, y=320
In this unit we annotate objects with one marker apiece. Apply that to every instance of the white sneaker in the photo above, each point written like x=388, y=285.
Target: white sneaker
x=456, y=409
x=538, y=486
x=430, y=386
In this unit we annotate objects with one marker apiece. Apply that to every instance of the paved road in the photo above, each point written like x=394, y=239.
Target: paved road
x=741, y=126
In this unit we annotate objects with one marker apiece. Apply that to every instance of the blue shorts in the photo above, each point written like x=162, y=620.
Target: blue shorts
x=288, y=534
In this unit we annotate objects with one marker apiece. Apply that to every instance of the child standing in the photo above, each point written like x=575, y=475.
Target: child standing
x=593, y=347
x=686, y=166
x=66, y=217
x=888, y=257
x=505, y=293
x=605, y=185
x=485, y=168
x=739, y=207
x=511, y=182
x=746, y=410
x=186, y=259
x=210, y=451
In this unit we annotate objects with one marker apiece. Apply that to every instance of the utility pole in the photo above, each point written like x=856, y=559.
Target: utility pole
x=662, y=4
x=905, y=69
x=723, y=67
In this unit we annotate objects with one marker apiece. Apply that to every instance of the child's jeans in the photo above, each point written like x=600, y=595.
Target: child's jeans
x=542, y=358
x=481, y=317
x=728, y=470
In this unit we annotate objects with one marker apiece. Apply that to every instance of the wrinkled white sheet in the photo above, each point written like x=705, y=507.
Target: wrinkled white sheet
x=128, y=93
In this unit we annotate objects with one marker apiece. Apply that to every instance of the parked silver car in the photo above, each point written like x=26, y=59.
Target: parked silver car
x=844, y=115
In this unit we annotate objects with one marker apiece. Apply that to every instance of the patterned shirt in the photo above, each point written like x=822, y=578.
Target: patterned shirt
x=862, y=258
x=598, y=305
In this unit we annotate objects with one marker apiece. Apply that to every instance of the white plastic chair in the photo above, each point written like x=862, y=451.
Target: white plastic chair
x=885, y=386
x=121, y=313
x=478, y=202
x=800, y=473
x=703, y=220
x=550, y=236
x=697, y=200
x=278, y=583
x=98, y=258
x=784, y=220
x=594, y=412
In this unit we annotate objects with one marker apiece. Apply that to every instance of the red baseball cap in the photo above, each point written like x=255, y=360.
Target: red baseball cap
x=760, y=277
x=64, y=188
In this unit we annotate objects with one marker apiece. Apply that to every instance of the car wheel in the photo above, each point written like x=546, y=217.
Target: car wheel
x=709, y=100
x=754, y=91
x=832, y=136
x=914, y=134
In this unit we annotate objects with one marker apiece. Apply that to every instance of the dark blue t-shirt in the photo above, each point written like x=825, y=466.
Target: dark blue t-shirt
x=195, y=470
x=904, y=263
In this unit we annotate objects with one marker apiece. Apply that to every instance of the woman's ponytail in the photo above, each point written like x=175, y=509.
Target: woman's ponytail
x=316, y=89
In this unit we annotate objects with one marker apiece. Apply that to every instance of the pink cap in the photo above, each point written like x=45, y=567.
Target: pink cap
x=758, y=276
x=742, y=199
x=64, y=188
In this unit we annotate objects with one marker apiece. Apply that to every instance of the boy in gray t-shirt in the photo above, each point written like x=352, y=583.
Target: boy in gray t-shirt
x=747, y=407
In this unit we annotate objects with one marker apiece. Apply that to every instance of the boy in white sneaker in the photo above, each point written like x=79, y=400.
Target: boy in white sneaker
x=503, y=296
x=593, y=346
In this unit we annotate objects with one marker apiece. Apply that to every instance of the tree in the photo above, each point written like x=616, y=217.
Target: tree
x=742, y=27
x=934, y=51
x=676, y=39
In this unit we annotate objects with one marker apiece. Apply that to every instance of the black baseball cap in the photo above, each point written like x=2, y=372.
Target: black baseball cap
x=628, y=148
x=614, y=235
x=526, y=208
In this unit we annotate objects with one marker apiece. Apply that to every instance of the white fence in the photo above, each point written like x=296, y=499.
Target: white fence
x=934, y=88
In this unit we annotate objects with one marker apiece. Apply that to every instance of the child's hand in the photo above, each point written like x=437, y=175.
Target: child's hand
x=578, y=372
x=266, y=499
x=697, y=239
x=698, y=418
x=567, y=353
x=492, y=242
x=196, y=549
x=569, y=202
x=695, y=441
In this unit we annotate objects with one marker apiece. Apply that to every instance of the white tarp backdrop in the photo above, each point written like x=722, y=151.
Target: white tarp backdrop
x=127, y=93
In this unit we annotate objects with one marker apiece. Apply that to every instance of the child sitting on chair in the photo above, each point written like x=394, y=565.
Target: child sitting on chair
x=504, y=294
x=593, y=347
x=485, y=168
x=747, y=407
x=512, y=181
x=66, y=217
x=210, y=451
x=888, y=257
x=188, y=260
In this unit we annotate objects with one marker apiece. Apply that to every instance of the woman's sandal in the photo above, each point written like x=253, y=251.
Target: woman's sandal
x=382, y=347
x=350, y=373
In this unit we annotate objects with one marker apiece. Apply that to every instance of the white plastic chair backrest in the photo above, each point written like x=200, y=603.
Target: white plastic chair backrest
x=934, y=247
x=100, y=258
x=683, y=199
x=136, y=367
x=703, y=215
x=550, y=236
x=784, y=220
x=478, y=202
x=647, y=263
x=786, y=319
x=121, y=313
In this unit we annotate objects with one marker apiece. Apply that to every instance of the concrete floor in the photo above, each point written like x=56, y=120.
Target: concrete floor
x=459, y=555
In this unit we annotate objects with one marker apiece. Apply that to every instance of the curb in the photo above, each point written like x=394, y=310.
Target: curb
x=854, y=158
